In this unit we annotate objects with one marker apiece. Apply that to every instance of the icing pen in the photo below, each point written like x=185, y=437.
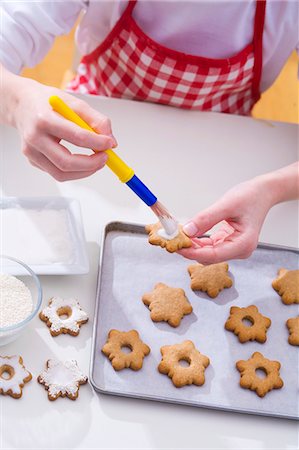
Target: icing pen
x=125, y=173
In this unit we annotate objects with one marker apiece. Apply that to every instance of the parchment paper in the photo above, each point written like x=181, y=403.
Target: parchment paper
x=131, y=267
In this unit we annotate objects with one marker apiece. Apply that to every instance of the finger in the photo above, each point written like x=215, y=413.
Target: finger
x=64, y=160
x=206, y=219
x=38, y=160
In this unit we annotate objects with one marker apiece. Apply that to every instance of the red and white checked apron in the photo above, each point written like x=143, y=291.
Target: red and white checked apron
x=129, y=64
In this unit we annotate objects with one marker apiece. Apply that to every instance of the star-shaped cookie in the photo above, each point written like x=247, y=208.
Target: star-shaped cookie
x=62, y=379
x=117, y=341
x=249, y=378
x=287, y=285
x=167, y=304
x=210, y=279
x=171, y=245
x=193, y=373
x=15, y=376
x=293, y=327
x=259, y=324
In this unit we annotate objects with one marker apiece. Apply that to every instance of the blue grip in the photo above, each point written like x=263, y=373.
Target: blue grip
x=141, y=190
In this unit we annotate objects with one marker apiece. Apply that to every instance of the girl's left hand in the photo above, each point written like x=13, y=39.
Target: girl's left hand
x=240, y=213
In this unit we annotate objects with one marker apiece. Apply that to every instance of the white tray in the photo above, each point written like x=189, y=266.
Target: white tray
x=71, y=259
x=130, y=267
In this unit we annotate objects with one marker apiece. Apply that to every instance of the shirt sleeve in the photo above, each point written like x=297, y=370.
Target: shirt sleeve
x=28, y=29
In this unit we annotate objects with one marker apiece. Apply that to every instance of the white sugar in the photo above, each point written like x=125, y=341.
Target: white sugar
x=15, y=301
x=36, y=236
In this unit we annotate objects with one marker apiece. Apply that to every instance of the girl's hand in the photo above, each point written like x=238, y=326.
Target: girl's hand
x=240, y=213
x=42, y=129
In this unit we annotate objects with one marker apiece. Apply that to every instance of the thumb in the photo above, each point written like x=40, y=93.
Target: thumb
x=206, y=219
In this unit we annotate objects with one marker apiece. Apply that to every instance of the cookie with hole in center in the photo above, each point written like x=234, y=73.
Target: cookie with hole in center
x=287, y=286
x=171, y=245
x=181, y=375
x=257, y=331
x=167, y=304
x=117, y=342
x=13, y=376
x=293, y=327
x=250, y=379
x=63, y=316
x=210, y=279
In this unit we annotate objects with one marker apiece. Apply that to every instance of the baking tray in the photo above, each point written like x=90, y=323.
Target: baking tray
x=129, y=267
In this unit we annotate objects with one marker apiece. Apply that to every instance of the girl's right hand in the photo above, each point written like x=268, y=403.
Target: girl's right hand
x=42, y=129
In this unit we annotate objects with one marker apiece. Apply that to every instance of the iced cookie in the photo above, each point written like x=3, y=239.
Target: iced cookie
x=167, y=304
x=173, y=357
x=63, y=316
x=293, y=327
x=13, y=376
x=210, y=279
x=287, y=285
x=257, y=331
x=156, y=237
x=62, y=379
x=117, y=342
x=250, y=379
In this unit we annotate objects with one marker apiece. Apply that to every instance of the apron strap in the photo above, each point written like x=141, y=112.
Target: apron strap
x=259, y=22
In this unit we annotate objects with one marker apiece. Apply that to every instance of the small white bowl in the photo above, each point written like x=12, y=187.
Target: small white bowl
x=12, y=266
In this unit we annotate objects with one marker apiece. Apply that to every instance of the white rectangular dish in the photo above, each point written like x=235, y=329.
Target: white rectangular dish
x=46, y=233
x=130, y=267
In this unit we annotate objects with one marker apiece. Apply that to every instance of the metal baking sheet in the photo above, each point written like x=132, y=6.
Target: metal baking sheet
x=129, y=267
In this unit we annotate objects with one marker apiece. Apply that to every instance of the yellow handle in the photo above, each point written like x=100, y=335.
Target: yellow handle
x=114, y=162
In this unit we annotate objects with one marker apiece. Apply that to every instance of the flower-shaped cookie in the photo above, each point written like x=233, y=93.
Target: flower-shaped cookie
x=193, y=373
x=210, y=279
x=287, y=285
x=249, y=378
x=293, y=327
x=167, y=304
x=63, y=316
x=62, y=379
x=114, y=349
x=13, y=376
x=259, y=324
x=171, y=245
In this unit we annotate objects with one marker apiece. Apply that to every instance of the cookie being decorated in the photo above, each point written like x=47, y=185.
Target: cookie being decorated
x=63, y=316
x=249, y=378
x=210, y=279
x=13, y=376
x=62, y=379
x=167, y=304
x=171, y=364
x=293, y=327
x=114, y=349
x=157, y=236
x=287, y=286
x=257, y=331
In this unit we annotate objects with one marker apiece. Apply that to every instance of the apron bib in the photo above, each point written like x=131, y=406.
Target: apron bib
x=129, y=64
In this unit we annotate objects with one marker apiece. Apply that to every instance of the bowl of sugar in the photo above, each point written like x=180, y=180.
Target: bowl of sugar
x=20, y=298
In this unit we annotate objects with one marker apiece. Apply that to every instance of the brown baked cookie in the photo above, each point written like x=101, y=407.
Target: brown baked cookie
x=293, y=327
x=13, y=376
x=62, y=379
x=171, y=245
x=117, y=341
x=287, y=285
x=167, y=304
x=63, y=316
x=250, y=380
x=210, y=279
x=257, y=331
x=193, y=373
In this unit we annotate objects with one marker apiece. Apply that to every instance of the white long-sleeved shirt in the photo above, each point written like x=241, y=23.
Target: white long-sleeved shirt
x=214, y=29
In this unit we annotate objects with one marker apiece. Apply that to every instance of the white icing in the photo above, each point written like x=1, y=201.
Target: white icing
x=20, y=373
x=62, y=377
x=167, y=236
x=15, y=301
x=71, y=322
x=170, y=226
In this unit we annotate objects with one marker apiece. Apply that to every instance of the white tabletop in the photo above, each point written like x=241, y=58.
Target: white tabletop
x=188, y=159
